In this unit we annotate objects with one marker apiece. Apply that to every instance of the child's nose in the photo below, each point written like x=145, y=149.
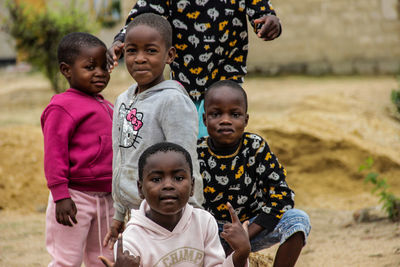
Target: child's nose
x=140, y=58
x=168, y=184
x=225, y=119
x=101, y=72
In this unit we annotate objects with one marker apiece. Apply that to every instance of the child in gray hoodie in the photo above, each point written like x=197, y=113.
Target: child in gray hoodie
x=151, y=111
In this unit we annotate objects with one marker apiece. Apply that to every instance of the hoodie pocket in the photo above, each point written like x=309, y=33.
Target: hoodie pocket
x=101, y=165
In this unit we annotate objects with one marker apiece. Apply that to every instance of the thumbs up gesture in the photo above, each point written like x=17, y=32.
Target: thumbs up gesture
x=237, y=236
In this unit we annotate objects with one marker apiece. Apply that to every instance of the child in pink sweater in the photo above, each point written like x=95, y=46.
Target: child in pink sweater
x=78, y=155
x=166, y=230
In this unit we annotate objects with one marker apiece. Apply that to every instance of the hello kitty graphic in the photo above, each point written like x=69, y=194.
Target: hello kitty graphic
x=130, y=123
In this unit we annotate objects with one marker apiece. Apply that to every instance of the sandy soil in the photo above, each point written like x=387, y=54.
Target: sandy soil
x=322, y=130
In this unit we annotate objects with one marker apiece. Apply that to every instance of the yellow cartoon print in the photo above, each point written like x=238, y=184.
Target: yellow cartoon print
x=222, y=25
x=209, y=189
x=196, y=70
x=193, y=15
x=181, y=46
x=239, y=172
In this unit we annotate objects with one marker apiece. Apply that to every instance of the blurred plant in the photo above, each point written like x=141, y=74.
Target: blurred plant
x=390, y=203
x=38, y=32
x=395, y=96
x=109, y=13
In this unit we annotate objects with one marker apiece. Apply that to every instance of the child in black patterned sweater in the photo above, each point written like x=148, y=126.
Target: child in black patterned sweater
x=239, y=167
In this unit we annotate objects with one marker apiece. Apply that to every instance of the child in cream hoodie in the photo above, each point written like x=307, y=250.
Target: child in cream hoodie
x=166, y=230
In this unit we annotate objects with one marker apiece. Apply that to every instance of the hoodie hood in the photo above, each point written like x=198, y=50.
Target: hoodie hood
x=154, y=230
x=165, y=85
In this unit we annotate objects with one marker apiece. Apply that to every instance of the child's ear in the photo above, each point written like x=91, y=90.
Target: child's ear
x=192, y=189
x=171, y=53
x=65, y=69
x=139, y=185
x=204, y=119
x=246, y=120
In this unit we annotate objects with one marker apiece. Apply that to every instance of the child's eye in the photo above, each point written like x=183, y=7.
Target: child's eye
x=155, y=179
x=91, y=67
x=151, y=50
x=130, y=50
x=236, y=115
x=179, y=178
x=214, y=114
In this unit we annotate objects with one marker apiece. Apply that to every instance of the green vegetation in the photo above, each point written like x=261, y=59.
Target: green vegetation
x=110, y=15
x=38, y=32
x=396, y=99
x=390, y=203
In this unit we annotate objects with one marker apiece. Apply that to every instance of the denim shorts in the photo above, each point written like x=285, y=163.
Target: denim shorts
x=292, y=221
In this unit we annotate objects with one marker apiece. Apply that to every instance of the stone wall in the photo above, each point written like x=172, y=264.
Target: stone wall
x=325, y=36
x=319, y=37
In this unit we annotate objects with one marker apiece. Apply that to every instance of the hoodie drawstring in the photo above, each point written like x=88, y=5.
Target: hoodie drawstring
x=99, y=219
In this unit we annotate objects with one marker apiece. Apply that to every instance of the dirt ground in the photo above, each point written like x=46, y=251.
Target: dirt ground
x=322, y=130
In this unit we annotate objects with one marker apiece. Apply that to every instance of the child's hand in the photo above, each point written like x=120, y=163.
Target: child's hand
x=270, y=27
x=116, y=228
x=124, y=259
x=237, y=235
x=66, y=209
x=113, y=54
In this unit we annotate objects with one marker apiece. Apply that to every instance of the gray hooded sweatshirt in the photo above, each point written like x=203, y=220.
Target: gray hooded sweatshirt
x=161, y=113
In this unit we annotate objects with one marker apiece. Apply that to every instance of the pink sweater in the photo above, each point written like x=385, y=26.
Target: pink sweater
x=193, y=242
x=77, y=143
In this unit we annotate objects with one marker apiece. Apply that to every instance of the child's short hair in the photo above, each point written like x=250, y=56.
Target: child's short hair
x=228, y=83
x=71, y=44
x=163, y=147
x=156, y=22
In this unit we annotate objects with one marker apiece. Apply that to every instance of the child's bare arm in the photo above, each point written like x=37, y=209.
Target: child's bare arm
x=66, y=212
x=116, y=228
x=254, y=229
x=124, y=259
x=237, y=237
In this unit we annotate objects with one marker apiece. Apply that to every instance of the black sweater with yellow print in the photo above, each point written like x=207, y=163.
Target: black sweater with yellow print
x=210, y=37
x=251, y=179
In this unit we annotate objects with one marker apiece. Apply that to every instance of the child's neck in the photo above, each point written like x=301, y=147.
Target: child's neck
x=223, y=151
x=86, y=93
x=142, y=88
x=166, y=221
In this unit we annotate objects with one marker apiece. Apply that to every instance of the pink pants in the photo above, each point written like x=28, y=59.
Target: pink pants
x=68, y=246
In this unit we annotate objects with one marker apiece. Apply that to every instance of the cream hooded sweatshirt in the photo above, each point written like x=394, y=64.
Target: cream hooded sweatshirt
x=193, y=242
